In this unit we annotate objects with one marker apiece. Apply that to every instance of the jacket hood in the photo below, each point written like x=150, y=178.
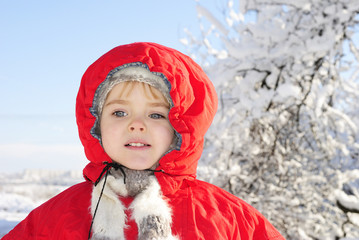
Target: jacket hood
x=193, y=96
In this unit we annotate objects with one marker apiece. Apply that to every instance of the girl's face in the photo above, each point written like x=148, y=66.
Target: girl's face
x=134, y=125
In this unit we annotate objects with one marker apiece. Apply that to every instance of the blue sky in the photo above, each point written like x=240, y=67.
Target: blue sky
x=45, y=47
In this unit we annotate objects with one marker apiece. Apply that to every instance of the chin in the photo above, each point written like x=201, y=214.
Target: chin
x=137, y=167
x=142, y=167
x=139, y=164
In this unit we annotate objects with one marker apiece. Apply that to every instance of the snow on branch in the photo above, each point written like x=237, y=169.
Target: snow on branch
x=287, y=111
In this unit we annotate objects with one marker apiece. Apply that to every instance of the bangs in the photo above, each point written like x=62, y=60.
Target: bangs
x=149, y=91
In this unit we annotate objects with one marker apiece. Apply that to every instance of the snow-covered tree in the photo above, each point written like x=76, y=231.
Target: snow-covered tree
x=286, y=131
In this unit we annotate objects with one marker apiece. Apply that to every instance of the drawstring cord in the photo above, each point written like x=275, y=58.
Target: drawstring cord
x=114, y=165
x=105, y=171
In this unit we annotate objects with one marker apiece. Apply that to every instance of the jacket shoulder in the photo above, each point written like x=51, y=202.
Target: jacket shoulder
x=246, y=222
x=61, y=217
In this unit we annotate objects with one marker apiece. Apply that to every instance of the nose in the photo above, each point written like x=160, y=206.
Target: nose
x=137, y=125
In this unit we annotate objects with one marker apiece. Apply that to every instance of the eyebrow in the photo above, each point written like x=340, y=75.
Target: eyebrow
x=117, y=101
x=159, y=104
x=124, y=102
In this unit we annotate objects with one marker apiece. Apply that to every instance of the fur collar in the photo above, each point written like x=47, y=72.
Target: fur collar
x=149, y=210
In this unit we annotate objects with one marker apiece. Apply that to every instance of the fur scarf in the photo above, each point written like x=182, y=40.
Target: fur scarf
x=149, y=210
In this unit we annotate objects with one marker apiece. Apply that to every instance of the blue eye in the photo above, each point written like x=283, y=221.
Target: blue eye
x=120, y=114
x=156, y=116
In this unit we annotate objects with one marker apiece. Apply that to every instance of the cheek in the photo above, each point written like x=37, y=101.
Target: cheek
x=108, y=134
x=167, y=134
x=106, y=141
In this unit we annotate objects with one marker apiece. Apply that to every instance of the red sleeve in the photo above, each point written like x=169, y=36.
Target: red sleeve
x=24, y=230
x=65, y=216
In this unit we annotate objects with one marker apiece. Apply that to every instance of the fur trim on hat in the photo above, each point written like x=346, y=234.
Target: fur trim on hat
x=149, y=210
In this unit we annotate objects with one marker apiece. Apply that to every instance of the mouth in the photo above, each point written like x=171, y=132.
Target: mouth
x=137, y=144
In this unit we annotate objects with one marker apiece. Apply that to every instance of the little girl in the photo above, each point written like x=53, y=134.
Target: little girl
x=142, y=111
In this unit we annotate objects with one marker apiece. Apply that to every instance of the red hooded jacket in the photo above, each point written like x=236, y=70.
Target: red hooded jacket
x=200, y=210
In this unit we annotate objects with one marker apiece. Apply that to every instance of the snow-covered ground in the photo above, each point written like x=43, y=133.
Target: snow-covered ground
x=22, y=192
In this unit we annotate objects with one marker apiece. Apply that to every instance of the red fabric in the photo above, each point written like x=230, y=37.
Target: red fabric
x=200, y=210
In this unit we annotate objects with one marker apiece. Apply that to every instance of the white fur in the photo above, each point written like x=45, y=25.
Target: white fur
x=138, y=71
x=116, y=185
x=110, y=211
x=110, y=219
x=150, y=202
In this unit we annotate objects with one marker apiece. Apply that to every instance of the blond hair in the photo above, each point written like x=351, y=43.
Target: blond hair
x=149, y=91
